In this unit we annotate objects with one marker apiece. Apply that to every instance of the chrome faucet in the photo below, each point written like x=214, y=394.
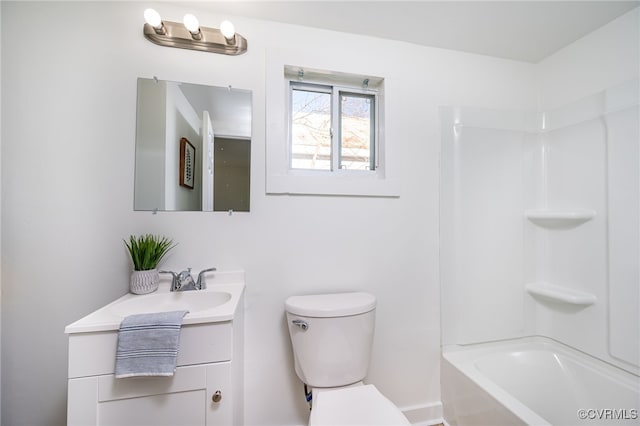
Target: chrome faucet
x=183, y=281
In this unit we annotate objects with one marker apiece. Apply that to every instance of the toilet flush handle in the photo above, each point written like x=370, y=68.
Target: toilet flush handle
x=302, y=324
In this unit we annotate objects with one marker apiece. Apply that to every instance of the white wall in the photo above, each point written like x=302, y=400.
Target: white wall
x=150, y=155
x=182, y=121
x=600, y=60
x=67, y=200
x=1, y=216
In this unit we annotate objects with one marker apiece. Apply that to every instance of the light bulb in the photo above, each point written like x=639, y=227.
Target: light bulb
x=227, y=30
x=153, y=18
x=191, y=23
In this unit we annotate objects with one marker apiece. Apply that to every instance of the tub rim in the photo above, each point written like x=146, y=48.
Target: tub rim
x=464, y=358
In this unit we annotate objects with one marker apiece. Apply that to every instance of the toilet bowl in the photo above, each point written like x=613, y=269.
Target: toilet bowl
x=331, y=336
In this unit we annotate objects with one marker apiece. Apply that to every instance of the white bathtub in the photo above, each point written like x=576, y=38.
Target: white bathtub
x=535, y=381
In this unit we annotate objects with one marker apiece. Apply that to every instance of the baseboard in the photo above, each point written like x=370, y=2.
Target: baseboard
x=424, y=414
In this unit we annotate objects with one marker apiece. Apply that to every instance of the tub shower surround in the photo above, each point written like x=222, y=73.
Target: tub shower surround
x=540, y=238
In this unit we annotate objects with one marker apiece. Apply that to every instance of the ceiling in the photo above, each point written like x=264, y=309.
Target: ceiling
x=521, y=30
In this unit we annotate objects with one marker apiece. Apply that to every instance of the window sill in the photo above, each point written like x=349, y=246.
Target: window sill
x=333, y=184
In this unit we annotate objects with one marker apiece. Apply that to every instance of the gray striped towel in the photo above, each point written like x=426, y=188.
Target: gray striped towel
x=148, y=344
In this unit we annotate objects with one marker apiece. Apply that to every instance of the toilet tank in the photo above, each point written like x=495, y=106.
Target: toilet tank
x=331, y=335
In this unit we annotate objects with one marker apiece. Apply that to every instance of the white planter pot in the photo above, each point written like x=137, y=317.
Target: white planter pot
x=143, y=282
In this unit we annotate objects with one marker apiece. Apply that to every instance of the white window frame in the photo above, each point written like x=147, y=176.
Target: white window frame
x=336, y=91
x=281, y=179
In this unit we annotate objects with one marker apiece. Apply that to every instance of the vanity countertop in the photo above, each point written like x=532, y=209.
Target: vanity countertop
x=217, y=303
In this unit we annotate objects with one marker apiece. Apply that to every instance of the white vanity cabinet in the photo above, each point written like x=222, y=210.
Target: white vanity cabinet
x=206, y=388
x=184, y=399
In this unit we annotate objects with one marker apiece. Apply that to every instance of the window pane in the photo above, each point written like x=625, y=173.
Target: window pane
x=310, y=130
x=356, y=132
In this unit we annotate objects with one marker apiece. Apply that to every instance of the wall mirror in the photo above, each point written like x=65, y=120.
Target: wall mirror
x=193, y=147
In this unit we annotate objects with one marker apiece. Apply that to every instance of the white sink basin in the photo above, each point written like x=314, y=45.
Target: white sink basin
x=218, y=302
x=192, y=301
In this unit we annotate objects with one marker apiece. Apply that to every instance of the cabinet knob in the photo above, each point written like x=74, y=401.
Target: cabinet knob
x=217, y=396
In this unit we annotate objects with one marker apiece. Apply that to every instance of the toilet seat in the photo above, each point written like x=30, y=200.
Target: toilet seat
x=360, y=405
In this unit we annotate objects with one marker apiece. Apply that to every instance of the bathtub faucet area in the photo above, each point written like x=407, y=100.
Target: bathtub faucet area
x=183, y=281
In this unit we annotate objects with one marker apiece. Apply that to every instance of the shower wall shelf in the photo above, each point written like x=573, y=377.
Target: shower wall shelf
x=561, y=294
x=559, y=218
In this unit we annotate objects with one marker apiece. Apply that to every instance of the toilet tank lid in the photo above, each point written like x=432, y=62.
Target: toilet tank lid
x=331, y=305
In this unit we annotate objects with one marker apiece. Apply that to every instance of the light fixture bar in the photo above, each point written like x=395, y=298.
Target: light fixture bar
x=211, y=40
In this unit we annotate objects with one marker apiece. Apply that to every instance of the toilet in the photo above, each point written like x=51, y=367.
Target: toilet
x=331, y=335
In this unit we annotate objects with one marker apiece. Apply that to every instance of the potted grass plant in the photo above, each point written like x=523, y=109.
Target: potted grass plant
x=146, y=253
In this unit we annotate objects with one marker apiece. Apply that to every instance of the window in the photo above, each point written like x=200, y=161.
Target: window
x=311, y=127
x=357, y=131
x=332, y=128
x=326, y=131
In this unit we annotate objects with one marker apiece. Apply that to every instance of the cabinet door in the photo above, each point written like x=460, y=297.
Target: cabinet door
x=185, y=399
x=219, y=410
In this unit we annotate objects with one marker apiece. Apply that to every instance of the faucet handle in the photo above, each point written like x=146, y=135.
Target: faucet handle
x=175, y=284
x=202, y=282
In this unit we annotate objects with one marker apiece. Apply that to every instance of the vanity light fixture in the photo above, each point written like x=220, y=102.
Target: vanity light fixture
x=190, y=35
